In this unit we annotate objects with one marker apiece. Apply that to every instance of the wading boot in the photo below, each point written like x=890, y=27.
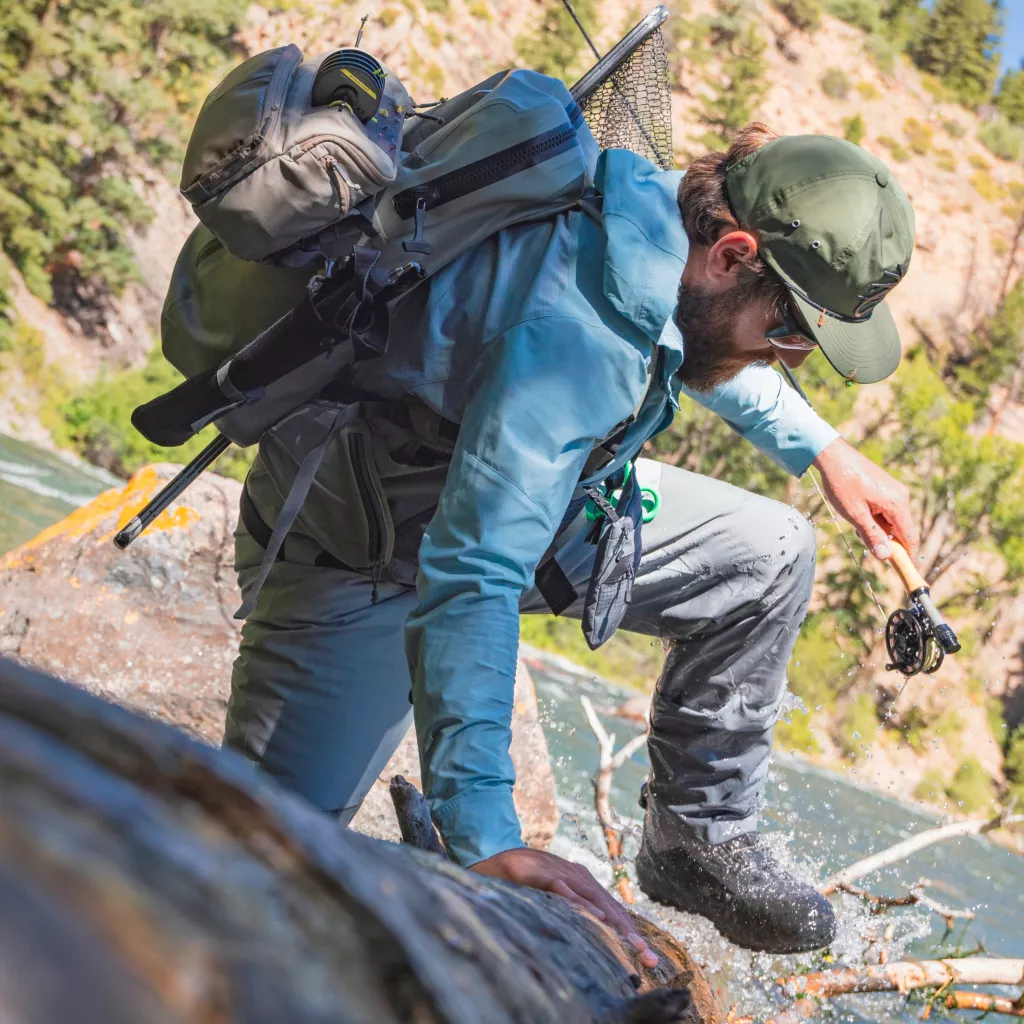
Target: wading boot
x=737, y=885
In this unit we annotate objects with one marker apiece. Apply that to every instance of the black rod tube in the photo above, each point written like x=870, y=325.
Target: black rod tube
x=176, y=486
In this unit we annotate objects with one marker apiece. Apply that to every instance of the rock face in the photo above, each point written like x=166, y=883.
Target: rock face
x=152, y=629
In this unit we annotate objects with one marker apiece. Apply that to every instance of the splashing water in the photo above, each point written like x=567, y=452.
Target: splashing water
x=815, y=822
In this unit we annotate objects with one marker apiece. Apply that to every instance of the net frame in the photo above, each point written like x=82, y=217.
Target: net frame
x=619, y=94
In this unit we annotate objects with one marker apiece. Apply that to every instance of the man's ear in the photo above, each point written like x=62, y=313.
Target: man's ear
x=726, y=256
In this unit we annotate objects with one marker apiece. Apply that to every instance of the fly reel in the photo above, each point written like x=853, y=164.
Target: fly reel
x=917, y=638
x=350, y=78
x=911, y=644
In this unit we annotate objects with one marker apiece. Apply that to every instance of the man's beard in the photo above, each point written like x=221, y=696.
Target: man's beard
x=707, y=321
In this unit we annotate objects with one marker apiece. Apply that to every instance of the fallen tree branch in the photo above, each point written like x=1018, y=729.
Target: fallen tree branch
x=916, y=897
x=983, y=1001
x=904, y=976
x=902, y=850
x=610, y=760
x=413, y=813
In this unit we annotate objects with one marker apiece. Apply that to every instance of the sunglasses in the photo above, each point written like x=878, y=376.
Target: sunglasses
x=790, y=335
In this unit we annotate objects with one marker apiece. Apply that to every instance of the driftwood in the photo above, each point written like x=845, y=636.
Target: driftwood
x=610, y=760
x=147, y=877
x=907, y=976
x=919, y=841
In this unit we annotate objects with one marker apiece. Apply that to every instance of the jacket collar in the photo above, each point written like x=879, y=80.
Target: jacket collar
x=646, y=245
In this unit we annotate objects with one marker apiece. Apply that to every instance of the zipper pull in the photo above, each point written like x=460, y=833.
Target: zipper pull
x=418, y=243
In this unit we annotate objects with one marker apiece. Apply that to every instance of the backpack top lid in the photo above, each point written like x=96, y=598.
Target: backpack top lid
x=266, y=166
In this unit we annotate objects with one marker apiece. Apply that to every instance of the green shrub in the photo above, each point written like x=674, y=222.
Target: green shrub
x=865, y=14
x=979, y=163
x=932, y=787
x=835, y=83
x=935, y=88
x=795, y=732
x=816, y=669
x=388, y=16
x=434, y=36
x=433, y=78
x=1002, y=139
x=1000, y=246
x=895, y=148
x=945, y=161
x=853, y=129
x=919, y=136
x=1013, y=765
x=480, y=10
x=869, y=92
x=858, y=726
x=436, y=6
x=628, y=658
x=996, y=721
x=97, y=423
x=554, y=46
x=954, y=129
x=987, y=187
x=971, y=787
x=883, y=51
x=802, y=14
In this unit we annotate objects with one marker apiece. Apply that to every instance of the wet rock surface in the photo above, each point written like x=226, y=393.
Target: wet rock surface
x=151, y=627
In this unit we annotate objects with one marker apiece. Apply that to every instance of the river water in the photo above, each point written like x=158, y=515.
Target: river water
x=816, y=820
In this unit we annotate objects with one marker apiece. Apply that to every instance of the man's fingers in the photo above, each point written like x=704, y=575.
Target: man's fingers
x=872, y=534
x=898, y=517
x=561, y=889
x=616, y=916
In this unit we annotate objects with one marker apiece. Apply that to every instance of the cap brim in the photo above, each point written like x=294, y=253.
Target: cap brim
x=863, y=352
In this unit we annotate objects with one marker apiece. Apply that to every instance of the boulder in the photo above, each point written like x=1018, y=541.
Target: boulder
x=151, y=628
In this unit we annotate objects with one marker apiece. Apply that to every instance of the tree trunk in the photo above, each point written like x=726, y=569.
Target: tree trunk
x=147, y=877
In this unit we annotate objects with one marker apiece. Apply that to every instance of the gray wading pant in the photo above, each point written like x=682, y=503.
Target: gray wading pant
x=320, y=690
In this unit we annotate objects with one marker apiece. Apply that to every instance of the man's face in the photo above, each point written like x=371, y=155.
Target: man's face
x=723, y=319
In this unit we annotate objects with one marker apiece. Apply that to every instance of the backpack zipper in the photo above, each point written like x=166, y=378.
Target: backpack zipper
x=372, y=504
x=487, y=171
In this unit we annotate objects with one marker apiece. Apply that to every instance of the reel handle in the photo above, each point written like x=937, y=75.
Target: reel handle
x=904, y=566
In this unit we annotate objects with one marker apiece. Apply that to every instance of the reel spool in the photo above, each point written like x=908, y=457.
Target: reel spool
x=911, y=644
x=350, y=78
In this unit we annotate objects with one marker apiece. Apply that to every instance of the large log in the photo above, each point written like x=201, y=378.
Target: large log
x=146, y=877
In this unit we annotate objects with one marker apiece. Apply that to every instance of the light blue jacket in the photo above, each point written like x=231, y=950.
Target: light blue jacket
x=539, y=344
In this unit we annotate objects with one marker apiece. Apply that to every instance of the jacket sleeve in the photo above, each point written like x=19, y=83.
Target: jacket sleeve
x=543, y=393
x=758, y=404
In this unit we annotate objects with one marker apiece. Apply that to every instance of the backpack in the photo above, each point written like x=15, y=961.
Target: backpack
x=304, y=243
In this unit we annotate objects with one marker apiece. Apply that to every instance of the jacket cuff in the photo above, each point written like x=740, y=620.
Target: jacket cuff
x=477, y=825
x=814, y=438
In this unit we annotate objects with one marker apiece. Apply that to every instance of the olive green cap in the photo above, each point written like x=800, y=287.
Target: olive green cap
x=835, y=225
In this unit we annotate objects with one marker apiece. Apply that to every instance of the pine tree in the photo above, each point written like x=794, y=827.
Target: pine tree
x=86, y=88
x=738, y=86
x=556, y=47
x=960, y=44
x=1010, y=98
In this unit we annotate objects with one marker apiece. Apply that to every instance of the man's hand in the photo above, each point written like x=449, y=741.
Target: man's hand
x=877, y=504
x=545, y=871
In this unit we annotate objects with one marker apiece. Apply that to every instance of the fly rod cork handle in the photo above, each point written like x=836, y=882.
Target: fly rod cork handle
x=904, y=565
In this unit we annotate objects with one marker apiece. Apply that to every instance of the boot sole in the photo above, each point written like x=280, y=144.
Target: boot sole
x=704, y=904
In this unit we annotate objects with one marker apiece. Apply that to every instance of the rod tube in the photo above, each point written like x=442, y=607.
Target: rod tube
x=175, y=487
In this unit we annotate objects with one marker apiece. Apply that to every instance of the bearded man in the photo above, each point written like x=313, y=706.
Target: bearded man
x=532, y=368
